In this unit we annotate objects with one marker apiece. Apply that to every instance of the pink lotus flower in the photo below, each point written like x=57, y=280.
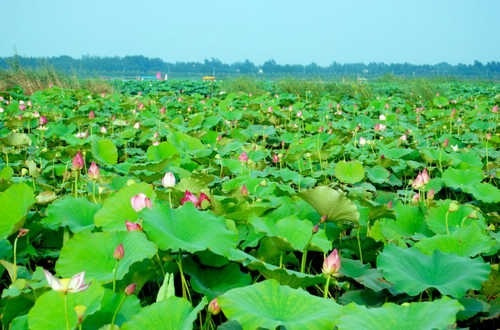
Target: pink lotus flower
x=93, y=171
x=78, y=161
x=91, y=114
x=276, y=158
x=213, y=307
x=243, y=157
x=119, y=252
x=190, y=197
x=130, y=289
x=65, y=285
x=244, y=190
x=43, y=120
x=421, y=180
x=140, y=201
x=22, y=106
x=332, y=263
x=379, y=127
x=168, y=180
x=494, y=109
x=133, y=226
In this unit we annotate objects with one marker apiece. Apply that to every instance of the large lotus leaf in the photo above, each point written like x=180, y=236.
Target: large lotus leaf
x=213, y=282
x=332, y=203
x=411, y=271
x=172, y=313
x=437, y=217
x=284, y=276
x=15, y=203
x=412, y=316
x=291, y=230
x=117, y=208
x=162, y=151
x=93, y=253
x=461, y=179
x=349, y=171
x=408, y=222
x=49, y=309
x=18, y=139
x=369, y=277
x=378, y=174
x=484, y=192
x=104, y=150
x=188, y=229
x=269, y=305
x=131, y=305
x=468, y=241
x=76, y=213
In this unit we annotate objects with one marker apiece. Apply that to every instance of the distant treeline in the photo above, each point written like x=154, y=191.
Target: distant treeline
x=140, y=66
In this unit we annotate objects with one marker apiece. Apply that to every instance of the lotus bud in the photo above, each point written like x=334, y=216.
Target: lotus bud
x=22, y=232
x=80, y=312
x=91, y=114
x=133, y=226
x=93, y=171
x=315, y=229
x=140, y=201
x=430, y=194
x=243, y=157
x=168, y=180
x=119, y=252
x=213, y=307
x=78, y=161
x=42, y=120
x=130, y=289
x=244, y=190
x=332, y=263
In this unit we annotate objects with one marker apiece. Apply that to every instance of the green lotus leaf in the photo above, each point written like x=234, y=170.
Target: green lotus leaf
x=378, y=174
x=117, y=208
x=332, y=203
x=49, y=309
x=349, y=171
x=363, y=274
x=294, y=232
x=412, y=316
x=15, y=203
x=441, y=221
x=188, y=229
x=269, y=305
x=468, y=241
x=411, y=271
x=104, y=150
x=485, y=192
x=213, y=282
x=93, y=253
x=18, y=139
x=172, y=313
x=162, y=151
x=131, y=305
x=408, y=221
x=462, y=179
x=284, y=276
x=76, y=213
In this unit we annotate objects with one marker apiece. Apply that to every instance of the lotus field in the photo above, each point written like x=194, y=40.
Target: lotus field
x=168, y=205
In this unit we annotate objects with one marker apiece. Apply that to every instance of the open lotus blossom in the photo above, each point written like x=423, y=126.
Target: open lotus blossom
x=331, y=264
x=381, y=117
x=140, y=201
x=190, y=197
x=93, y=171
x=380, y=127
x=65, y=285
x=103, y=130
x=78, y=161
x=133, y=226
x=168, y=180
x=137, y=125
x=362, y=141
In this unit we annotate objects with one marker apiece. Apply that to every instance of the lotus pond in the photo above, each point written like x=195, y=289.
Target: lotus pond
x=181, y=205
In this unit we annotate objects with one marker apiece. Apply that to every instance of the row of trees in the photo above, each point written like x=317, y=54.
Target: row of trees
x=134, y=66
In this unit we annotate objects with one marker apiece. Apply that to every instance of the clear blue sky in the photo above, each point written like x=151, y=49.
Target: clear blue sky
x=290, y=32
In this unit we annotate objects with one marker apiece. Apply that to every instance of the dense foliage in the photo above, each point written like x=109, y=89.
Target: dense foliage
x=301, y=206
x=137, y=66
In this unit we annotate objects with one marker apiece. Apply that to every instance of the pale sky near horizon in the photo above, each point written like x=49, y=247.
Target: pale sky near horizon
x=290, y=32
